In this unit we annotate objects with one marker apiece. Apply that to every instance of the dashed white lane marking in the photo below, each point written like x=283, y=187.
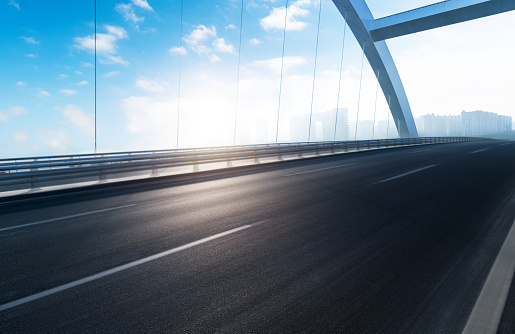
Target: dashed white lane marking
x=431, y=149
x=486, y=315
x=316, y=170
x=63, y=218
x=484, y=149
x=116, y=270
x=408, y=173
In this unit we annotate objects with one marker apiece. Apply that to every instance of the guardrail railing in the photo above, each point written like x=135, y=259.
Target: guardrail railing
x=32, y=173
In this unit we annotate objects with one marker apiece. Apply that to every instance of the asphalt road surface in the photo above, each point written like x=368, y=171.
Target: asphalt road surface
x=388, y=241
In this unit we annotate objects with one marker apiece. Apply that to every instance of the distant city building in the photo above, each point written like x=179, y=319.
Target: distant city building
x=385, y=129
x=473, y=123
x=365, y=130
x=476, y=123
x=439, y=126
x=322, y=126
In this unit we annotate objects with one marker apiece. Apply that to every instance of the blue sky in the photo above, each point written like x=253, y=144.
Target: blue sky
x=47, y=80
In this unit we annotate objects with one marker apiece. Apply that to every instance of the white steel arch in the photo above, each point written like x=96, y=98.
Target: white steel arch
x=371, y=34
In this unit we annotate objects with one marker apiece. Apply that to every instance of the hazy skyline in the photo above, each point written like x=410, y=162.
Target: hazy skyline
x=47, y=80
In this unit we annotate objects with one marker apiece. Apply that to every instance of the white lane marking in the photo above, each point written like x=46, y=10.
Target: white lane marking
x=431, y=149
x=504, y=144
x=486, y=315
x=115, y=270
x=63, y=218
x=484, y=149
x=316, y=170
x=408, y=173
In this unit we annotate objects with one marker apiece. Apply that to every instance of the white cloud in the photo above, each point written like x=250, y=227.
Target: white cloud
x=202, y=49
x=68, y=91
x=62, y=76
x=21, y=83
x=275, y=20
x=150, y=85
x=78, y=72
x=87, y=65
x=221, y=46
x=18, y=110
x=119, y=32
x=274, y=64
x=127, y=10
x=14, y=111
x=113, y=60
x=30, y=40
x=230, y=26
x=55, y=139
x=181, y=50
x=106, y=44
x=31, y=55
x=83, y=83
x=198, y=36
x=78, y=118
x=214, y=59
x=43, y=93
x=255, y=41
x=20, y=137
x=111, y=74
x=143, y=4
x=14, y=4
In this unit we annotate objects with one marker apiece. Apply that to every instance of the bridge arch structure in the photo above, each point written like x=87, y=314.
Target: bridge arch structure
x=371, y=35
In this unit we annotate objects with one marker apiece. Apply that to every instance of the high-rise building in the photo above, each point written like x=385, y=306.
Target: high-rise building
x=439, y=126
x=477, y=123
x=473, y=123
x=322, y=126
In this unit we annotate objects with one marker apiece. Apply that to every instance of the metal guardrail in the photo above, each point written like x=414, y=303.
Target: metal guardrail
x=30, y=173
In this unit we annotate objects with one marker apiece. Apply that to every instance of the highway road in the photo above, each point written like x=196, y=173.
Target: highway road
x=387, y=241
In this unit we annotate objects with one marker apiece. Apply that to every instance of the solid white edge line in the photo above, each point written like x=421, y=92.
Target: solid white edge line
x=115, y=270
x=486, y=314
x=316, y=170
x=63, y=218
x=484, y=149
x=408, y=173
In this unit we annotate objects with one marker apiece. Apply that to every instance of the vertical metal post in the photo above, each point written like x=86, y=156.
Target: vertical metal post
x=340, y=80
x=314, y=72
x=282, y=68
x=388, y=117
x=238, y=77
x=95, y=76
x=359, y=94
x=375, y=106
x=33, y=184
x=180, y=73
x=101, y=174
x=155, y=170
x=195, y=165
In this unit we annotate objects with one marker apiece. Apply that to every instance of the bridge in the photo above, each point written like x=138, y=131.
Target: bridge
x=402, y=234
